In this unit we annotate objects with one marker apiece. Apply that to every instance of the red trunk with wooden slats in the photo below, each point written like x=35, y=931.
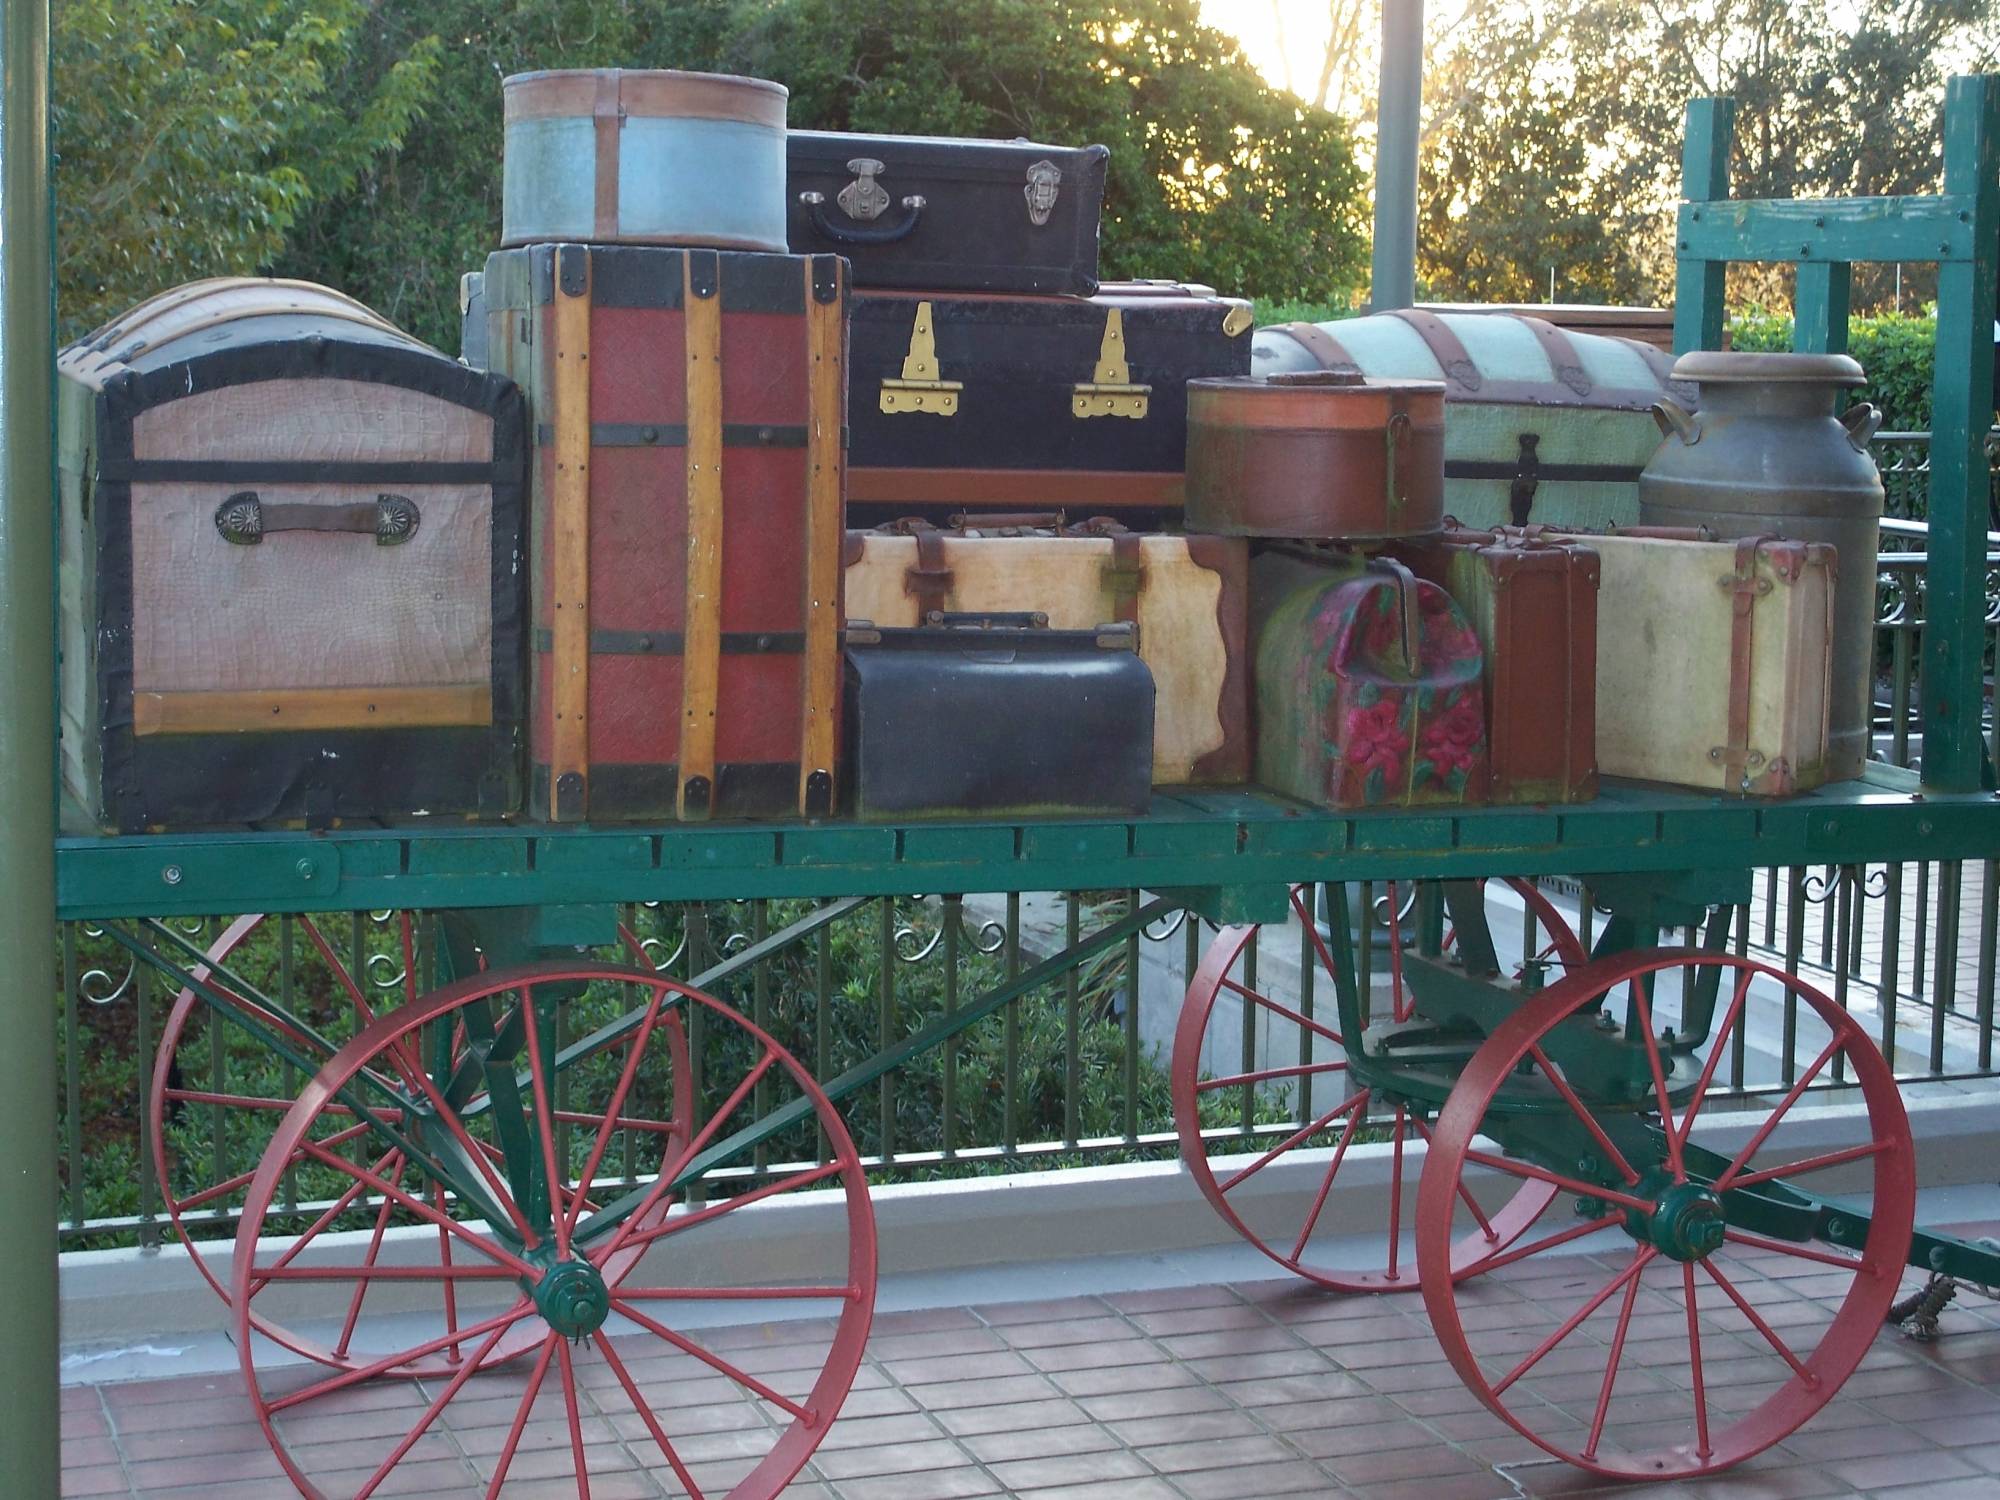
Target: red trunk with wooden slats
x=688, y=409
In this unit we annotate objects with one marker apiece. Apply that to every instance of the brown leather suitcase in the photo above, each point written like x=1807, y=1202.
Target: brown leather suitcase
x=1186, y=594
x=687, y=410
x=1534, y=606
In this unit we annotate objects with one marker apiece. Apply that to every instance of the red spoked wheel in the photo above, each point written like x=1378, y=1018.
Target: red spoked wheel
x=613, y=1289
x=1275, y=1051
x=1686, y=1319
x=218, y=1093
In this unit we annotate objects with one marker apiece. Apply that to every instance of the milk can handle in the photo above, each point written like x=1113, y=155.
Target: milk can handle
x=1862, y=421
x=1675, y=420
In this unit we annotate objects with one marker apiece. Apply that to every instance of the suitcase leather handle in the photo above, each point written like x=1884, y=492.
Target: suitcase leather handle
x=244, y=520
x=847, y=234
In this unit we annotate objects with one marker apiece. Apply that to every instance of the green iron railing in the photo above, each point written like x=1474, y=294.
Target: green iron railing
x=1071, y=1073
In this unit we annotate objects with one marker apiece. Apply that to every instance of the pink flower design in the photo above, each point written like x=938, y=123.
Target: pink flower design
x=1373, y=738
x=1456, y=739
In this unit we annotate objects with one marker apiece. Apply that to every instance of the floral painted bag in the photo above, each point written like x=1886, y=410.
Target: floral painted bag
x=1369, y=691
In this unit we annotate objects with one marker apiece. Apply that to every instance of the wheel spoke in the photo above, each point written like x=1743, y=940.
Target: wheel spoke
x=503, y=1195
x=1810, y=1164
x=668, y=1172
x=1237, y=1080
x=1396, y=1177
x=539, y=1088
x=340, y=1206
x=361, y=1282
x=366, y=1274
x=1518, y=1168
x=575, y=1422
x=1326, y=1182
x=1751, y=1147
x=714, y=1361
x=406, y=1063
x=1550, y=1241
x=498, y=1324
x=1465, y=1195
x=438, y=1404
x=682, y=1222
x=1644, y=1012
x=603, y=1140
x=1703, y=1448
x=646, y=1415
x=1716, y=1048
x=1611, y=1367
x=1604, y=1142
x=451, y=1352
x=1576, y=1319
x=742, y=1294
x=422, y=1210
x=1307, y=1133
x=1284, y=1010
x=1784, y=1247
x=520, y=1424
x=1757, y=1322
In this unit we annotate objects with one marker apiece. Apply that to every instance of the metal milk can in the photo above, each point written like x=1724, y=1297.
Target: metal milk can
x=1766, y=454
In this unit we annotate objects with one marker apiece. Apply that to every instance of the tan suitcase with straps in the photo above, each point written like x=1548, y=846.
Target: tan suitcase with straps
x=1185, y=593
x=1713, y=659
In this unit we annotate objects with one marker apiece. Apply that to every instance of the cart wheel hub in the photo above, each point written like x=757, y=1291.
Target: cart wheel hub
x=1687, y=1223
x=573, y=1299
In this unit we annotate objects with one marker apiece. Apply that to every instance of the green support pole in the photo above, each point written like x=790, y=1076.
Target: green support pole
x=1699, y=284
x=1820, y=307
x=1961, y=412
x=28, y=1417
x=1398, y=112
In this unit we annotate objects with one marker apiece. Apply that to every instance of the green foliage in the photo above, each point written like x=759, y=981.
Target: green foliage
x=1268, y=311
x=1215, y=177
x=191, y=136
x=1896, y=350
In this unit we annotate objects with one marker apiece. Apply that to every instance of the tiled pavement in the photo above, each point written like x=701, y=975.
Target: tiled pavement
x=1190, y=1393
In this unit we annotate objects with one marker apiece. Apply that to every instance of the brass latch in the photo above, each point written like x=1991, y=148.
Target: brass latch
x=1110, y=392
x=920, y=390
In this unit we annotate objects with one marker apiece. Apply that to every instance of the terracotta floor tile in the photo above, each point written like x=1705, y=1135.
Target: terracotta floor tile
x=993, y=1448
x=80, y=1480
x=1216, y=1453
x=935, y=1484
x=1901, y=1468
x=1007, y=1416
x=889, y=1458
x=1065, y=1469
x=1296, y=1477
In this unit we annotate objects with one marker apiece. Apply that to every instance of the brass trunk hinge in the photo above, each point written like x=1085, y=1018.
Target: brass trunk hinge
x=1110, y=392
x=920, y=389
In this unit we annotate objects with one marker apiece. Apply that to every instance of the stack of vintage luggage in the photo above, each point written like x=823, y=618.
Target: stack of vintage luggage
x=800, y=474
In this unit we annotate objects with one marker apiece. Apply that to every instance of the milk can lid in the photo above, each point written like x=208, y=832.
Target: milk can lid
x=1720, y=367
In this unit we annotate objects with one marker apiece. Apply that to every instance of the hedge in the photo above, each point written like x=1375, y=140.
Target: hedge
x=1895, y=349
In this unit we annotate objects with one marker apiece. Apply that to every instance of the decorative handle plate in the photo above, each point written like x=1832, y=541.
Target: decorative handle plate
x=244, y=520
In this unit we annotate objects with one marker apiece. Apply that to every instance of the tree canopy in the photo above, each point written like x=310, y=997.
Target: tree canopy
x=358, y=143
x=1554, y=129
x=190, y=138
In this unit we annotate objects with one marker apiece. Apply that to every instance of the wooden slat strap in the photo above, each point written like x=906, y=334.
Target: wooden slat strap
x=1563, y=358
x=1460, y=373
x=930, y=580
x=1327, y=350
x=826, y=505
x=569, y=540
x=608, y=114
x=702, y=664
x=1744, y=587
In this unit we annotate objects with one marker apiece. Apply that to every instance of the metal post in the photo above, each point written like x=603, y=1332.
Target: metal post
x=28, y=1435
x=1398, y=114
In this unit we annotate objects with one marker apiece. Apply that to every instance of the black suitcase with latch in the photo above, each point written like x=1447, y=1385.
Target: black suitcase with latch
x=996, y=714
x=944, y=214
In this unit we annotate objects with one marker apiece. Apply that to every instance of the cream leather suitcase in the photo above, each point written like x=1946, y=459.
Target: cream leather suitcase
x=1713, y=661
x=1186, y=594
